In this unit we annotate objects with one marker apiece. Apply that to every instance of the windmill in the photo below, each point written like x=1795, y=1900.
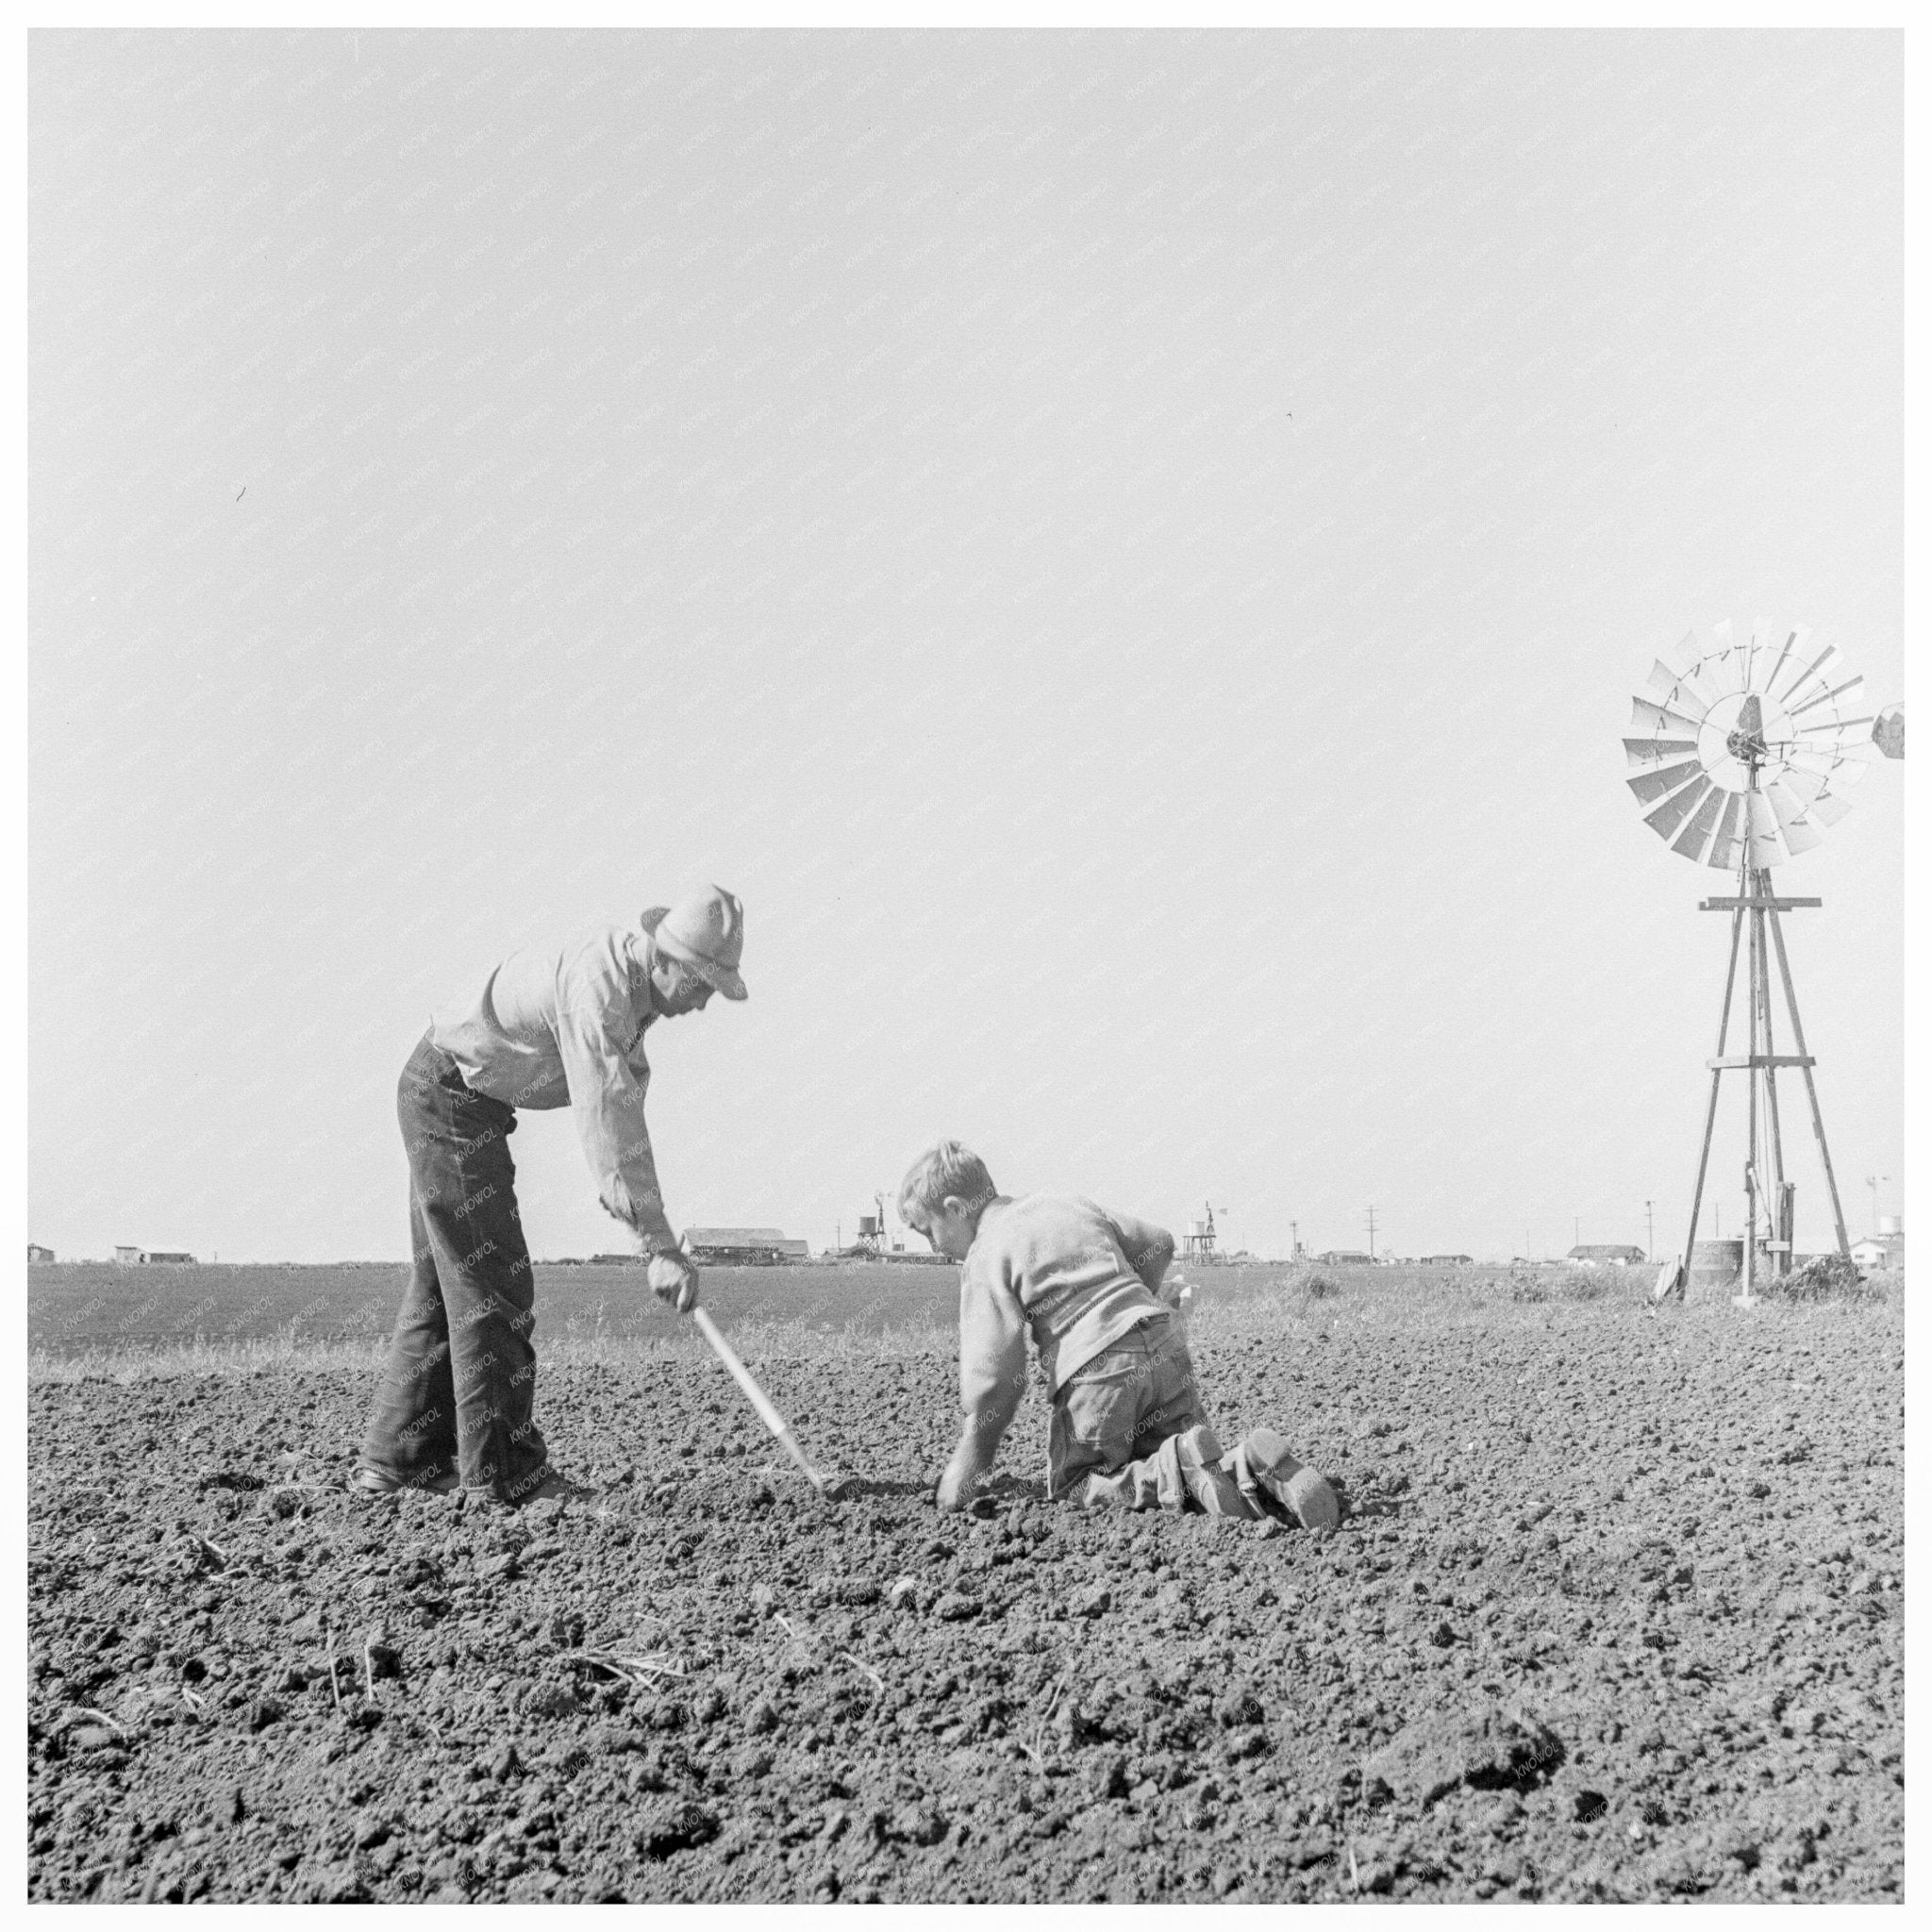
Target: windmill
x=1745, y=755
x=1199, y=1243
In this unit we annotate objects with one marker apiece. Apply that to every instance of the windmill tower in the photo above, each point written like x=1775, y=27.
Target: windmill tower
x=1199, y=1244
x=1746, y=755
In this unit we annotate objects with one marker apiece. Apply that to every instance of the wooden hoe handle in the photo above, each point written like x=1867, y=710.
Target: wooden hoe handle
x=758, y=1399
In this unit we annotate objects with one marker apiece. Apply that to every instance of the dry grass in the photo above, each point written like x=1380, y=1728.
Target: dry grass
x=1266, y=1304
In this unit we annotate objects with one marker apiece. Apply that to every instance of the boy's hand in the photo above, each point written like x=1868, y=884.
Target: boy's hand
x=673, y=1279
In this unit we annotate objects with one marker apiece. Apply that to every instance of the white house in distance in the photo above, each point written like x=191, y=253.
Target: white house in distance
x=1605, y=1255
x=1885, y=1249
x=141, y=1258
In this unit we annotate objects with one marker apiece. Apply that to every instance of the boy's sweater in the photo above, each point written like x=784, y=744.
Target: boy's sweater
x=1062, y=1267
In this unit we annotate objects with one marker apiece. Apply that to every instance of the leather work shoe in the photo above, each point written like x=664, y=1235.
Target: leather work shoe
x=373, y=1482
x=1267, y=1472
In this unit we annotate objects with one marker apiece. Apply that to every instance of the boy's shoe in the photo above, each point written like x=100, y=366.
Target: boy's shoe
x=1266, y=1470
x=374, y=1482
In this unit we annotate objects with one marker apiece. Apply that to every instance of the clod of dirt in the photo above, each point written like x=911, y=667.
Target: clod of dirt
x=675, y=1826
x=1485, y=1750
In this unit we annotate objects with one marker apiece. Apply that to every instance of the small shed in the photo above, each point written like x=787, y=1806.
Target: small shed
x=35, y=1253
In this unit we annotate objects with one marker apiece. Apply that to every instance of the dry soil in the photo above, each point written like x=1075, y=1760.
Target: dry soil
x=1615, y=1613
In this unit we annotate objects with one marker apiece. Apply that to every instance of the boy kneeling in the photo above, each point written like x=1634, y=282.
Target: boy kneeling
x=1127, y=1427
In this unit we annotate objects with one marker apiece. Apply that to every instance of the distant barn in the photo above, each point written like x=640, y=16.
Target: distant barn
x=1446, y=1261
x=745, y=1247
x=1335, y=1257
x=1605, y=1255
x=138, y=1257
x=35, y=1253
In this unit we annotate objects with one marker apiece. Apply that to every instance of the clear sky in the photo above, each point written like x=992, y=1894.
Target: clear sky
x=1130, y=554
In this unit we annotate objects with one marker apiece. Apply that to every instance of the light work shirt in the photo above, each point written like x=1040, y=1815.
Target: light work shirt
x=564, y=1026
x=1064, y=1269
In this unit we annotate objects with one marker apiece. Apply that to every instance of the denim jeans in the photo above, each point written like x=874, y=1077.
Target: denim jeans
x=1128, y=1429
x=459, y=1385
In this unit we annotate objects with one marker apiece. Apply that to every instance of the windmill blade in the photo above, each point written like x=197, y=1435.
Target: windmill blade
x=1794, y=642
x=1845, y=697
x=1726, y=666
x=1692, y=840
x=1664, y=724
x=1761, y=837
x=1824, y=661
x=1677, y=691
x=1727, y=849
x=1829, y=734
x=1845, y=773
x=1827, y=761
x=1657, y=751
x=1841, y=738
x=1669, y=817
x=1793, y=826
x=1652, y=785
x=1821, y=793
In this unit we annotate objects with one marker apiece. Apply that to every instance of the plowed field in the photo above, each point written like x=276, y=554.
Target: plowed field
x=1615, y=1612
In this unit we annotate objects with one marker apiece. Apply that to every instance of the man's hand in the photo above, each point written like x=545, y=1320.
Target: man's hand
x=673, y=1279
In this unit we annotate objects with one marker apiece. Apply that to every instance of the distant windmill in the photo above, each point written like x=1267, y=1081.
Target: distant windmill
x=1201, y=1237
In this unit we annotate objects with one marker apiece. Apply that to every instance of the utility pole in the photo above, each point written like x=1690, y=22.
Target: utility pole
x=1872, y=1181
x=1372, y=1234
x=1576, y=1230
x=1294, y=1240
x=1649, y=1231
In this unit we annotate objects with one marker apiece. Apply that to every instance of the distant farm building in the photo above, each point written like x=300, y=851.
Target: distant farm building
x=750, y=1247
x=35, y=1253
x=1446, y=1261
x=141, y=1257
x=1885, y=1249
x=1335, y=1256
x=1605, y=1255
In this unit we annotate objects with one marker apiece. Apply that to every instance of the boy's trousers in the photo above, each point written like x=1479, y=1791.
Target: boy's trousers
x=1128, y=1429
x=459, y=1388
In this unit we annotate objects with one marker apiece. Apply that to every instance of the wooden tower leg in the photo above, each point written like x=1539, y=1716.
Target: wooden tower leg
x=1756, y=970
x=1723, y=1027
x=1783, y=967
x=1776, y=1212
